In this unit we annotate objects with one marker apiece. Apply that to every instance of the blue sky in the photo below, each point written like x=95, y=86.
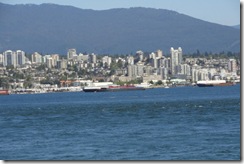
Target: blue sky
x=225, y=12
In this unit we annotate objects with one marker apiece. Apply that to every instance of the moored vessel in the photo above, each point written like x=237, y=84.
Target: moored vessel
x=124, y=88
x=112, y=88
x=94, y=89
x=212, y=83
x=4, y=92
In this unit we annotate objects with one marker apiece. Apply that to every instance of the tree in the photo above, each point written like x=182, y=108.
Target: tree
x=4, y=83
x=101, y=80
x=28, y=82
x=159, y=82
x=41, y=67
x=120, y=64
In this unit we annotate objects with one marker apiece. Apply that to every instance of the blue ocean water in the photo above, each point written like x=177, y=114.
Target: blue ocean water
x=185, y=123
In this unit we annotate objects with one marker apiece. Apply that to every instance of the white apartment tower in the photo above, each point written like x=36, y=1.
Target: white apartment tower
x=93, y=58
x=176, y=59
x=131, y=70
x=36, y=58
x=1, y=59
x=108, y=60
x=164, y=73
x=20, y=57
x=9, y=58
x=232, y=65
x=140, y=54
x=71, y=53
x=159, y=53
x=130, y=60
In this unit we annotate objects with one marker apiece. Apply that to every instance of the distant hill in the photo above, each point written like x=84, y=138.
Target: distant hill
x=236, y=26
x=50, y=28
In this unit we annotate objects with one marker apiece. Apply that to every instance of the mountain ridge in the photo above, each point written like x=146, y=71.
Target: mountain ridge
x=51, y=28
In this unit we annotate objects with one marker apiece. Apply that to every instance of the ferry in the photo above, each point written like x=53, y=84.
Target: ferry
x=212, y=83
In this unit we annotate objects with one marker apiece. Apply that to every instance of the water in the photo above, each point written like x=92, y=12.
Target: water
x=187, y=123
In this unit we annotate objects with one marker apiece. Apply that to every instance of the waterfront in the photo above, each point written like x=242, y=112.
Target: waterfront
x=185, y=123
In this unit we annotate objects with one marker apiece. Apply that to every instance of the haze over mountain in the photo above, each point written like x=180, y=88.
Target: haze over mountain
x=50, y=28
x=237, y=26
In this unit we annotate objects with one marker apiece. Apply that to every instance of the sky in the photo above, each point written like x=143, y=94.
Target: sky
x=225, y=12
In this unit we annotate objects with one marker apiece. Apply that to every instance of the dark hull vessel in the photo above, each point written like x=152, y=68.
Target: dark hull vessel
x=214, y=83
x=112, y=89
x=94, y=89
x=116, y=89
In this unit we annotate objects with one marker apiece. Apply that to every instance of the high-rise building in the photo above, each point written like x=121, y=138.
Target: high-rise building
x=93, y=58
x=36, y=58
x=49, y=62
x=108, y=60
x=131, y=70
x=71, y=53
x=55, y=59
x=194, y=77
x=159, y=53
x=45, y=57
x=20, y=55
x=232, y=67
x=156, y=62
x=148, y=70
x=140, y=69
x=14, y=58
x=130, y=60
x=185, y=69
x=140, y=55
x=176, y=59
x=82, y=57
x=164, y=62
x=164, y=73
x=1, y=59
x=9, y=58
x=135, y=70
x=62, y=64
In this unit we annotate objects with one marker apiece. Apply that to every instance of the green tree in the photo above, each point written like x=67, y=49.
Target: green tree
x=28, y=82
x=159, y=82
x=41, y=67
x=4, y=83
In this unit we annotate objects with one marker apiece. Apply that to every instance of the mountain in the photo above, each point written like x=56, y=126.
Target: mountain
x=236, y=26
x=50, y=28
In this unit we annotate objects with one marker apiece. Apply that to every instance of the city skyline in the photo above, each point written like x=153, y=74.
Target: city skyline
x=225, y=12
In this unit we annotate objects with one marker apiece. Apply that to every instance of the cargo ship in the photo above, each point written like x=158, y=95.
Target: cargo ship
x=112, y=88
x=4, y=92
x=212, y=83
